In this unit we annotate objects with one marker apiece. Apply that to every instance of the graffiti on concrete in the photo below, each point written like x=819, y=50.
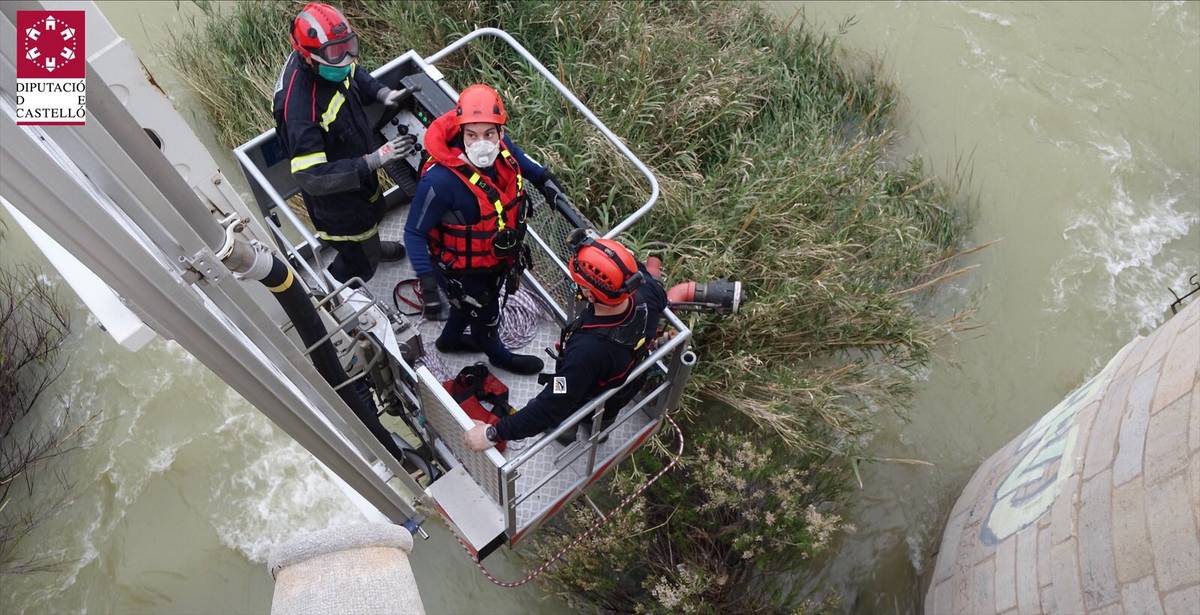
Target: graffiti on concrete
x=1046, y=460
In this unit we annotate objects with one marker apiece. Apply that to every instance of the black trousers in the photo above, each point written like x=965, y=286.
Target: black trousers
x=355, y=258
x=484, y=319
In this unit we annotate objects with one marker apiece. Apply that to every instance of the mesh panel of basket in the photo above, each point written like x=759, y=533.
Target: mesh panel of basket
x=553, y=227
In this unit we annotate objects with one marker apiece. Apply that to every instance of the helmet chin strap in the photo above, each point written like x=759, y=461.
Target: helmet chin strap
x=602, y=309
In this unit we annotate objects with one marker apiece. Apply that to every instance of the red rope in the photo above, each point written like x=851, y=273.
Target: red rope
x=398, y=296
x=595, y=526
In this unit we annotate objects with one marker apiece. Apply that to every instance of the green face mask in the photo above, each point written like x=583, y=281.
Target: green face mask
x=336, y=74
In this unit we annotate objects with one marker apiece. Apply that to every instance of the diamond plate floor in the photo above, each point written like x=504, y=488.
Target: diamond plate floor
x=445, y=366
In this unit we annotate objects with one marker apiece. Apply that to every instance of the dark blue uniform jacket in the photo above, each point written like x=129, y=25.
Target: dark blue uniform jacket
x=324, y=132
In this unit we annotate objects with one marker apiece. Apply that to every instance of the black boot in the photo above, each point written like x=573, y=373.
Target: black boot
x=524, y=364
x=584, y=431
x=391, y=251
x=567, y=438
x=464, y=343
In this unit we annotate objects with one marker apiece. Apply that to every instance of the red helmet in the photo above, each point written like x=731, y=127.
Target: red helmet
x=322, y=33
x=479, y=103
x=606, y=268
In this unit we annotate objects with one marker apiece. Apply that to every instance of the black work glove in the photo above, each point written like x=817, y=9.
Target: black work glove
x=552, y=189
x=390, y=97
x=436, y=307
x=512, y=281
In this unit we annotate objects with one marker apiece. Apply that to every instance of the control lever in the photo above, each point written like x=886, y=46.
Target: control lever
x=391, y=111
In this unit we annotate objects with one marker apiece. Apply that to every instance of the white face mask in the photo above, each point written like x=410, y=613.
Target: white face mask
x=483, y=153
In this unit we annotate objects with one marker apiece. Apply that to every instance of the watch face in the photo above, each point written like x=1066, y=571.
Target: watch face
x=490, y=433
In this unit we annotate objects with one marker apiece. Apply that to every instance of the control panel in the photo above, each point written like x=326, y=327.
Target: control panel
x=426, y=104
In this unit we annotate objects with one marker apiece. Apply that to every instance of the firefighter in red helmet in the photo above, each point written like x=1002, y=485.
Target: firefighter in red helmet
x=596, y=351
x=323, y=129
x=466, y=228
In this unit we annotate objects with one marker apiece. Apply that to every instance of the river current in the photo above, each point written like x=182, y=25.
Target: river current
x=1074, y=128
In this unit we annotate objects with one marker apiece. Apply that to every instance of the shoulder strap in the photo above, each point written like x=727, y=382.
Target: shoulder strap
x=476, y=179
x=629, y=333
x=569, y=330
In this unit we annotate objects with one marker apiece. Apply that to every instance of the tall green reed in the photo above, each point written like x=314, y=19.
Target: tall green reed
x=776, y=166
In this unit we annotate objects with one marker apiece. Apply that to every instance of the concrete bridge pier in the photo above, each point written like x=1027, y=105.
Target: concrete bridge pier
x=1096, y=507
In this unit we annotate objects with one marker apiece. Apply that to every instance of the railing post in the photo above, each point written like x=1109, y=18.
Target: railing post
x=508, y=491
x=681, y=369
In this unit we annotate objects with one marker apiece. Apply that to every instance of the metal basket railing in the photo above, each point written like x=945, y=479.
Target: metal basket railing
x=548, y=230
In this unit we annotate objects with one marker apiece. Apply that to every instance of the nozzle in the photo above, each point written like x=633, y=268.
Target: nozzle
x=719, y=296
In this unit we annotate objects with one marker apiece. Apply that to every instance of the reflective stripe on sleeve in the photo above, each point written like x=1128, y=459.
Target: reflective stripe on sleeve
x=358, y=237
x=331, y=112
x=299, y=163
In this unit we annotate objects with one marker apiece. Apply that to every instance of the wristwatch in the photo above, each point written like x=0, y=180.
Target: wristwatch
x=490, y=433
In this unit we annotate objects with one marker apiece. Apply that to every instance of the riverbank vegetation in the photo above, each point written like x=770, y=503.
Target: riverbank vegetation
x=34, y=325
x=776, y=169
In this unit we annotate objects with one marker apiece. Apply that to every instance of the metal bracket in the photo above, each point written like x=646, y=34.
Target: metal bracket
x=232, y=226
x=434, y=73
x=206, y=264
x=413, y=526
x=202, y=265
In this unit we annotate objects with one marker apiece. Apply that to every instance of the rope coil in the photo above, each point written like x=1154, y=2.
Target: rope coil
x=518, y=321
x=517, y=328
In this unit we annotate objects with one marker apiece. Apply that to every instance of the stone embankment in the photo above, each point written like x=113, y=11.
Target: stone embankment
x=1096, y=507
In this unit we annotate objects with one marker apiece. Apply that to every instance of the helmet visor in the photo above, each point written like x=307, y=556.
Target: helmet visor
x=339, y=52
